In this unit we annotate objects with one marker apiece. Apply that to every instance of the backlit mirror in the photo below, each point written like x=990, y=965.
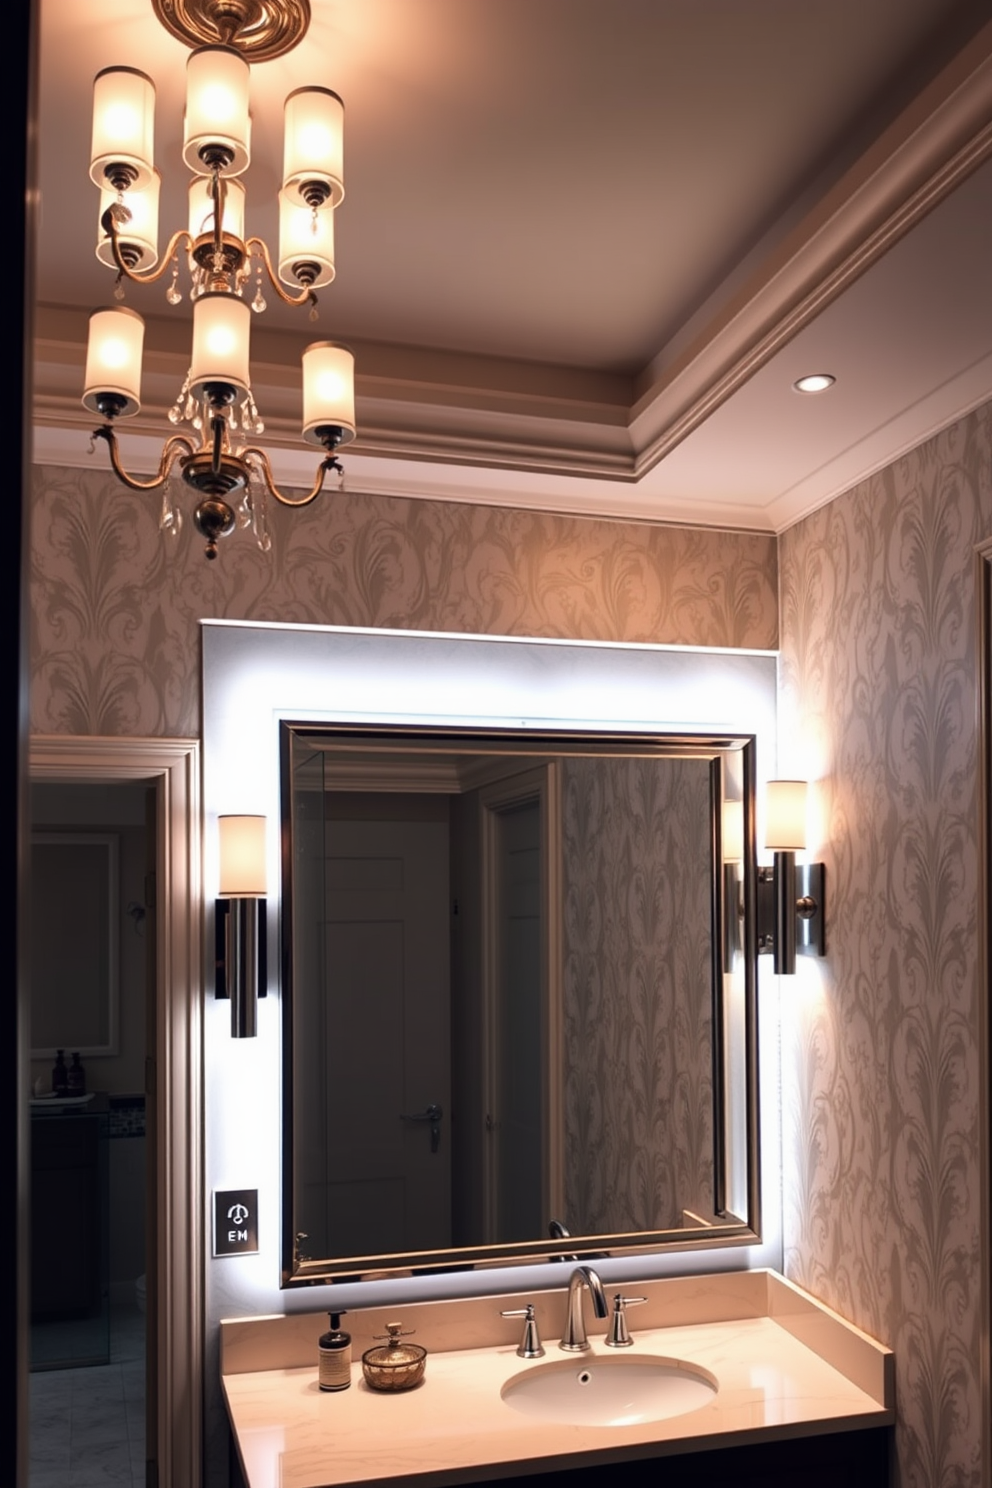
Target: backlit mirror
x=518, y=993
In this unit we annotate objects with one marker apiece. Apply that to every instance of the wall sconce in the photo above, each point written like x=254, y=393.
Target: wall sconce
x=790, y=900
x=240, y=939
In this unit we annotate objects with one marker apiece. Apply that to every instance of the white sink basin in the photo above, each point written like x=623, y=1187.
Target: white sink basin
x=620, y=1391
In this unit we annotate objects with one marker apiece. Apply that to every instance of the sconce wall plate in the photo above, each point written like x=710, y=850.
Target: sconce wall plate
x=809, y=919
x=811, y=936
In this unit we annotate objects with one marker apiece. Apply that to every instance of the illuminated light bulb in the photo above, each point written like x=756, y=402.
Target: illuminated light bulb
x=814, y=382
x=138, y=237
x=328, y=391
x=123, y=128
x=313, y=148
x=201, y=209
x=306, y=238
x=221, y=325
x=217, y=128
x=785, y=815
x=242, y=855
x=113, y=363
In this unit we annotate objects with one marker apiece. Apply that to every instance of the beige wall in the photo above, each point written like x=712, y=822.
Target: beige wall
x=883, y=1139
x=115, y=644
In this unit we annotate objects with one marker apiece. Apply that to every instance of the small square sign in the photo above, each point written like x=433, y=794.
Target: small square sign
x=236, y=1221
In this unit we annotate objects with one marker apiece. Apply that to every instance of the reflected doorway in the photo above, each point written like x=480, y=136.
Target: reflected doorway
x=92, y=1339
x=420, y=945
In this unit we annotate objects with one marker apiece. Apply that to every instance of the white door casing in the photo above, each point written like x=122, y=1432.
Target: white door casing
x=173, y=768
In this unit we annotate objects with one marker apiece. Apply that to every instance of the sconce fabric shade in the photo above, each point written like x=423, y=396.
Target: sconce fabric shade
x=328, y=390
x=733, y=831
x=242, y=856
x=221, y=328
x=123, y=124
x=201, y=209
x=305, y=237
x=113, y=361
x=785, y=815
x=139, y=236
x=217, y=110
x=313, y=146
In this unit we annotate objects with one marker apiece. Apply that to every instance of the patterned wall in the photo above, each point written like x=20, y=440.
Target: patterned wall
x=637, y=1010
x=115, y=645
x=883, y=1144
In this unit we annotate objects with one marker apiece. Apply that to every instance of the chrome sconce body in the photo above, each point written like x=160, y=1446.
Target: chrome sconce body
x=790, y=899
x=791, y=918
x=241, y=958
x=241, y=950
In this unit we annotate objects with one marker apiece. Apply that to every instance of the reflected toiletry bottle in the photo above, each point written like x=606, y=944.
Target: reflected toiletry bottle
x=334, y=1359
x=76, y=1076
x=60, y=1075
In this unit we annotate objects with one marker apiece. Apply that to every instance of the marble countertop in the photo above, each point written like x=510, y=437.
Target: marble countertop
x=796, y=1370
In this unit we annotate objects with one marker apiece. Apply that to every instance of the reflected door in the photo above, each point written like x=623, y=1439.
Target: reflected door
x=386, y=960
x=515, y=1035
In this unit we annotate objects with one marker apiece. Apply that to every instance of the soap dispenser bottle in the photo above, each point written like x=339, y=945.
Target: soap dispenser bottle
x=334, y=1356
x=60, y=1075
x=76, y=1077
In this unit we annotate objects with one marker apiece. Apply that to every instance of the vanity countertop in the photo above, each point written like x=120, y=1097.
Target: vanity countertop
x=791, y=1368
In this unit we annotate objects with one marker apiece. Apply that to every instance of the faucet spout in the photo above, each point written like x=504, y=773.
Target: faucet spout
x=574, y=1339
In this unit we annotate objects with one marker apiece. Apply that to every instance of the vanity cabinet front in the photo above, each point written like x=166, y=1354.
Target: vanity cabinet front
x=857, y=1459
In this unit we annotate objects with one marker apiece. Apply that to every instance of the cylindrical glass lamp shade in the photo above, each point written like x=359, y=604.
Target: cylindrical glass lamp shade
x=733, y=831
x=242, y=856
x=123, y=125
x=138, y=238
x=785, y=815
x=217, y=126
x=306, y=238
x=221, y=326
x=328, y=391
x=113, y=363
x=201, y=209
x=313, y=147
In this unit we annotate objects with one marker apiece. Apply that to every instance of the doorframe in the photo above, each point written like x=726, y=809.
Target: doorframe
x=173, y=766
x=543, y=785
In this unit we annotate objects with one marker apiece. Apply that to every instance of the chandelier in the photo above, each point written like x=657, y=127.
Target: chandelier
x=230, y=475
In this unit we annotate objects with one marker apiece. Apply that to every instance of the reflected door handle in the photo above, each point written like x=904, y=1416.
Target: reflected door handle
x=433, y=1114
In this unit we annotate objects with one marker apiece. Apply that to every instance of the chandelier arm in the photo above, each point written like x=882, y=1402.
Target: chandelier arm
x=306, y=295
x=174, y=448
x=150, y=276
x=328, y=463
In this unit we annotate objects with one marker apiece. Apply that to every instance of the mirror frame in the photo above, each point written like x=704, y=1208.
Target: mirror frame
x=308, y=1271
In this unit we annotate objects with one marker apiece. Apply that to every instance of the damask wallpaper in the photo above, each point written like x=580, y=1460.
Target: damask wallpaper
x=115, y=606
x=637, y=1000
x=881, y=1050
x=882, y=1143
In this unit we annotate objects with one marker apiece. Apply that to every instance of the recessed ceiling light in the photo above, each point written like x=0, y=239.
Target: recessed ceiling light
x=816, y=382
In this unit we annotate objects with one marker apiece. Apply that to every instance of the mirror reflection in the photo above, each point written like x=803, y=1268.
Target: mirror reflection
x=516, y=995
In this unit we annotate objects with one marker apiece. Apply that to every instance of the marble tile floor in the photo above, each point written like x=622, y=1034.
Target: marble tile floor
x=87, y=1425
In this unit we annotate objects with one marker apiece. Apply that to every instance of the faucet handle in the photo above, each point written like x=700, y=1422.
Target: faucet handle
x=530, y=1346
x=619, y=1334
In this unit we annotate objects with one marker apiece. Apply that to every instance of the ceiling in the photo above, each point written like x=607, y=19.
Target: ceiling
x=586, y=246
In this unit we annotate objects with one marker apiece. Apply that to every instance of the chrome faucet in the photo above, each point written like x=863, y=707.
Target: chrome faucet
x=575, y=1339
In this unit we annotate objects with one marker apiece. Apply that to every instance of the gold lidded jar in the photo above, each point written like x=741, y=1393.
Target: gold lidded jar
x=395, y=1366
